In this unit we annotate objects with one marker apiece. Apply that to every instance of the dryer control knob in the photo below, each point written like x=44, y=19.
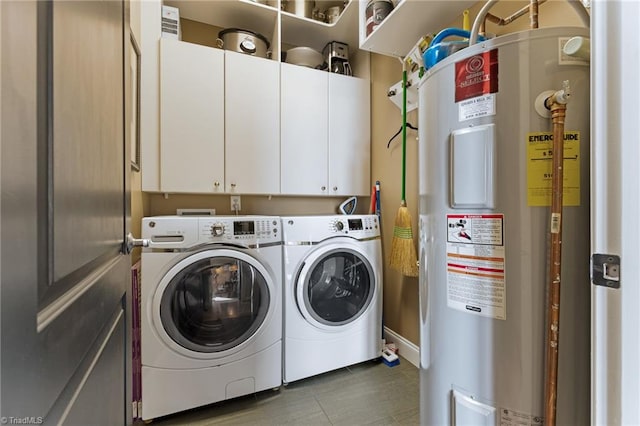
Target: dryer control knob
x=217, y=229
x=339, y=226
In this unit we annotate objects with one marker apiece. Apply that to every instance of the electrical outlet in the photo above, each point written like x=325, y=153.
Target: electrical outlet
x=235, y=203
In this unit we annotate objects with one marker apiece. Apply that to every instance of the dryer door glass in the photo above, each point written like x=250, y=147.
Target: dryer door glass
x=339, y=288
x=214, y=304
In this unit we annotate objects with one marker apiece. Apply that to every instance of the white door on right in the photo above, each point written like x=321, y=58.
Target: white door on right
x=615, y=207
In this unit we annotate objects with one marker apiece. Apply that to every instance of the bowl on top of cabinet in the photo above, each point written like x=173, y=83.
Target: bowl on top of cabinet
x=306, y=57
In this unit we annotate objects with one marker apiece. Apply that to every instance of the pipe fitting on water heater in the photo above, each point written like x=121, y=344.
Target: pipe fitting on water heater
x=559, y=97
x=545, y=99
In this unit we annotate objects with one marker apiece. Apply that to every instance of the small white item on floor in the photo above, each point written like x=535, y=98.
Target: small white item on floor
x=392, y=347
x=390, y=358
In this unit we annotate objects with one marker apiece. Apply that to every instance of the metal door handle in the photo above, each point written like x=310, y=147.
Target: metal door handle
x=132, y=242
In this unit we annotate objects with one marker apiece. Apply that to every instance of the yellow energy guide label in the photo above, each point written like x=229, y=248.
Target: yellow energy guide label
x=539, y=168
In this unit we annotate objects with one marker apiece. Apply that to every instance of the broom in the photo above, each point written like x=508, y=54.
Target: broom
x=403, y=252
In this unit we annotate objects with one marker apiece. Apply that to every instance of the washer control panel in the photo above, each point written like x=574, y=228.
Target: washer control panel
x=176, y=232
x=247, y=230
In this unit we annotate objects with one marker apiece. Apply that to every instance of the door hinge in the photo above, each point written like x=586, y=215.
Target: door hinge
x=605, y=270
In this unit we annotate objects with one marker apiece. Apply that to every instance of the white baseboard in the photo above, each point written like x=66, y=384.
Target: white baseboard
x=406, y=349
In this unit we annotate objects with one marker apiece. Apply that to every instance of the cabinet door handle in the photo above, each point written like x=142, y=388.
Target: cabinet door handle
x=335, y=188
x=233, y=185
x=323, y=188
x=216, y=184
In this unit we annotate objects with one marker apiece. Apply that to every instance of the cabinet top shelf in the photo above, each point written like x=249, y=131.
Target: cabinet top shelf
x=301, y=31
x=262, y=18
x=410, y=20
x=229, y=14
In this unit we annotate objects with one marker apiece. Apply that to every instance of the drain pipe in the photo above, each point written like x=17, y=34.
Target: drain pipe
x=557, y=104
x=509, y=19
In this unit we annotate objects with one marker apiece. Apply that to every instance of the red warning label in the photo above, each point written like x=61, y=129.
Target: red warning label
x=477, y=75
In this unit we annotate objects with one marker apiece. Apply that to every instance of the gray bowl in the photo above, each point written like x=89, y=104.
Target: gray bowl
x=305, y=56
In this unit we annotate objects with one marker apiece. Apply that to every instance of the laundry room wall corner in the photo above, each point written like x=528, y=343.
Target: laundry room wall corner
x=400, y=304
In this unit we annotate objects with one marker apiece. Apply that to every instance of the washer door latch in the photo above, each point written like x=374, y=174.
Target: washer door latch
x=605, y=270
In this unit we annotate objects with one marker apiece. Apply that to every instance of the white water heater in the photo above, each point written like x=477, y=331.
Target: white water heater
x=485, y=196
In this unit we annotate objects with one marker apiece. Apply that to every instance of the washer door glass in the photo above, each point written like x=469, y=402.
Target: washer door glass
x=214, y=304
x=339, y=288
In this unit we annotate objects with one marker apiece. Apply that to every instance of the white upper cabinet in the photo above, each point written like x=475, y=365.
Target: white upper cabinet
x=349, y=136
x=325, y=141
x=191, y=118
x=304, y=134
x=252, y=125
x=219, y=121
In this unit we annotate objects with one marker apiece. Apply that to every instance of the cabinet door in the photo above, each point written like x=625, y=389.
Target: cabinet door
x=303, y=141
x=191, y=117
x=349, y=136
x=252, y=109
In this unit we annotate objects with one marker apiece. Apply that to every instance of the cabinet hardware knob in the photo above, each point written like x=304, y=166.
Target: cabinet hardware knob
x=216, y=184
x=335, y=188
x=323, y=188
x=233, y=185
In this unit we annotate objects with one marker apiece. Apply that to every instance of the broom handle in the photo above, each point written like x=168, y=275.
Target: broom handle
x=404, y=129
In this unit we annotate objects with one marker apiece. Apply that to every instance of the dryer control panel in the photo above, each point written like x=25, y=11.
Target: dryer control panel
x=318, y=228
x=356, y=225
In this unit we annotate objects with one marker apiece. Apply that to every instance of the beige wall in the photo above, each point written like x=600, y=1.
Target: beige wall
x=139, y=208
x=400, y=293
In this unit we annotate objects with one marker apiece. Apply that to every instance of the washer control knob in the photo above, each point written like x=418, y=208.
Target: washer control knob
x=217, y=229
x=339, y=226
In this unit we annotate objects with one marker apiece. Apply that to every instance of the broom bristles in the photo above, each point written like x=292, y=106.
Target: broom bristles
x=403, y=252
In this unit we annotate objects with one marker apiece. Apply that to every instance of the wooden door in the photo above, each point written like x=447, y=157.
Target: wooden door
x=64, y=175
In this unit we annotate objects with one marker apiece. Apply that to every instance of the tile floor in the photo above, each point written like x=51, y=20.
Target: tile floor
x=369, y=393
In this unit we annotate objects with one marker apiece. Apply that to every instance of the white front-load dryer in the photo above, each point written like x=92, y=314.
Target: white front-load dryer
x=332, y=293
x=211, y=310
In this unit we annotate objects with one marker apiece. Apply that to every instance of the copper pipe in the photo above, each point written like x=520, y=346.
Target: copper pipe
x=533, y=14
x=509, y=19
x=558, y=111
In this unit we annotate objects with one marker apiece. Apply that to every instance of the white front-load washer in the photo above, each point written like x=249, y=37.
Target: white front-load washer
x=332, y=293
x=211, y=310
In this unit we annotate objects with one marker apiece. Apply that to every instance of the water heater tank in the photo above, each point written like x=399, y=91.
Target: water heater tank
x=485, y=196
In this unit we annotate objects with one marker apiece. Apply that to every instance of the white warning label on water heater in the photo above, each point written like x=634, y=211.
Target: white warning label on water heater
x=476, y=264
x=481, y=106
x=517, y=418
